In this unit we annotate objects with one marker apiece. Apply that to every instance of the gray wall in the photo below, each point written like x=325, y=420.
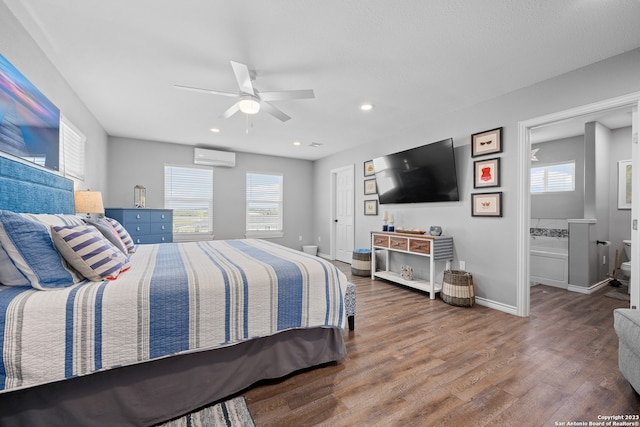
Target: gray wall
x=22, y=51
x=562, y=205
x=487, y=245
x=135, y=161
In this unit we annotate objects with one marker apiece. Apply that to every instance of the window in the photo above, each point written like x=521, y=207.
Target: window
x=189, y=192
x=264, y=205
x=553, y=178
x=72, y=143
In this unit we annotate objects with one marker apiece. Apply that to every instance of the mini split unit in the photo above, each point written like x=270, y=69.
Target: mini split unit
x=202, y=156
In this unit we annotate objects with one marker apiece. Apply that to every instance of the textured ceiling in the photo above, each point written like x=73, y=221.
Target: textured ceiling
x=411, y=59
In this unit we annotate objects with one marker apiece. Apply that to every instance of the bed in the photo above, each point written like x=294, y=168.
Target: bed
x=176, y=327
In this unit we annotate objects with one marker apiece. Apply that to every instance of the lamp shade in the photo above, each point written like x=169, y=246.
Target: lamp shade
x=88, y=202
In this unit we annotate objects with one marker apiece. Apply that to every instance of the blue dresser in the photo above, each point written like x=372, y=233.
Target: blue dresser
x=145, y=225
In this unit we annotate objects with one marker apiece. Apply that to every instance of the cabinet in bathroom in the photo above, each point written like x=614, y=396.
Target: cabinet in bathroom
x=430, y=248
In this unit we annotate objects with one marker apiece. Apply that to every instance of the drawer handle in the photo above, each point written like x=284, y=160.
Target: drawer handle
x=138, y=241
x=163, y=227
x=162, y=216
x=397, y=243
x=137, y=216
x=163, y=239
x=418, y=246
x=137, y=228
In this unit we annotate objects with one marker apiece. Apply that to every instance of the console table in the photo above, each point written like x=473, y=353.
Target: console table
x=435, y=248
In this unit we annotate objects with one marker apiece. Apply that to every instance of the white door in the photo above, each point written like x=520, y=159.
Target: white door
x=634, y=283
x=343, y=215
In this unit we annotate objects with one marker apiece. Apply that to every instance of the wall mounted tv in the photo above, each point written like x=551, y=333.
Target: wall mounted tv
x=29, y=122
x=421, y=174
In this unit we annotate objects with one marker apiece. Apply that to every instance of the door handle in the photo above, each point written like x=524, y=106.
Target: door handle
x=335, y=220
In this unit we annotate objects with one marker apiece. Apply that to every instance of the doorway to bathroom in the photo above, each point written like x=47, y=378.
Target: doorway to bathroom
x=554, y=126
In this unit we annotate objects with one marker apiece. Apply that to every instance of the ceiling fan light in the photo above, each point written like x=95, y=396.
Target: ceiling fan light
x=249, y=106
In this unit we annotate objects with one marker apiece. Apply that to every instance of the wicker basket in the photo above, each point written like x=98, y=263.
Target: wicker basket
x=457, y=288
x=361, y=262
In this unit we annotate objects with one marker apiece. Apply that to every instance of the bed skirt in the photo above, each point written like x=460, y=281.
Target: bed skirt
x=156, y=391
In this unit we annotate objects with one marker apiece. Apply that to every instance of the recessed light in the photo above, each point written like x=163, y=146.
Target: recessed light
x=366, y=106
x=215, y=130
x=297, y=143
x=315, y=144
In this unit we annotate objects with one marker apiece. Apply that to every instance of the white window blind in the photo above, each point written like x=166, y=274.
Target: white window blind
x=553, y=178
x=189, y=192
x=72, y=143
x=264, y=204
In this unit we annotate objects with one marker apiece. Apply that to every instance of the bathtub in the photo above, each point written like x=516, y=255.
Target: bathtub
x=549, y=261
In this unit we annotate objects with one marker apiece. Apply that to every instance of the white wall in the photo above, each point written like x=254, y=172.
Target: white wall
x=487, y=245
x=22, y=51
x=135, y=161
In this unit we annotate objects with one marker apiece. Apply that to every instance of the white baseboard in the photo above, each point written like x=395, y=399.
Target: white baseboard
x=509, y=309
x=591, y=289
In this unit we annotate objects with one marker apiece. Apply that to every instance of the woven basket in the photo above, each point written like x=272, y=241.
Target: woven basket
x=457, y=288
x=361, y=262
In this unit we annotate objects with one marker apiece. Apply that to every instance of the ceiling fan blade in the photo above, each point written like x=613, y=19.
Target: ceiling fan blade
x=211, y=92
x=274, y=111
x=287, y=94
x=243, y=77
x=231, y=111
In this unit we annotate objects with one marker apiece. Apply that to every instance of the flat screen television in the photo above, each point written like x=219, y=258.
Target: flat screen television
x=417, y=175
x=29, y=122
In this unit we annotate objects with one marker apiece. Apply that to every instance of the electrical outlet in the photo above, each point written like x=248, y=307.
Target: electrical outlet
x=300, y=238
x=319, y=238
x=463, y=265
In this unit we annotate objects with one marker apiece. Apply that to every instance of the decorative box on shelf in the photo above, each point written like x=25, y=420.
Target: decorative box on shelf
x=145, y=225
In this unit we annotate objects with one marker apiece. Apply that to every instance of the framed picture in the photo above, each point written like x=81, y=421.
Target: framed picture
x=487, y=142
x=370, y=186
x=368, y=168
x=624, y=184
x=486, y=173
x=486, y=204
x=371, y=207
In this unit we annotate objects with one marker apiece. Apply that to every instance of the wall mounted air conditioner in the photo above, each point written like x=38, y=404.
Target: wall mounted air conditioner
x=203, y=156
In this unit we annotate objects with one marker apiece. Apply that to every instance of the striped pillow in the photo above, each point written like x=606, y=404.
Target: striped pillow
x=28, y=244
x=87, y=250
x=124, y=234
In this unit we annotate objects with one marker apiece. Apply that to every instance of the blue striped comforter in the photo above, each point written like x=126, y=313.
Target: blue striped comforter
x=176, y=298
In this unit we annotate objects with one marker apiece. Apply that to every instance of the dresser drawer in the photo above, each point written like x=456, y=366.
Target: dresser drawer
x=398, y=243
x=160, y=227
x=152, y=238
x=134, y=217
x=161, y=216
x=420, y=246
x=138, y=229
x=380, y=241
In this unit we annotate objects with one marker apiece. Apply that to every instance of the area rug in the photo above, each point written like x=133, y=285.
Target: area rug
x=621, y=293
x=232, y=413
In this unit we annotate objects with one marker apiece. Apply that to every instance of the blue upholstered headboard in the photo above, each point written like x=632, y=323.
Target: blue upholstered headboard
x=25, y=188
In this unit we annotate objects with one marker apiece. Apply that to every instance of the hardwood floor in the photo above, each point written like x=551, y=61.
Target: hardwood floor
x=413, y=361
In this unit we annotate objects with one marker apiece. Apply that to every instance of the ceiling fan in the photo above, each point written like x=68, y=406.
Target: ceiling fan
x=250, y=100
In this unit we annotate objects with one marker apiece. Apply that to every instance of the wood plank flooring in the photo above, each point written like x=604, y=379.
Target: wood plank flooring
x=413, y=361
